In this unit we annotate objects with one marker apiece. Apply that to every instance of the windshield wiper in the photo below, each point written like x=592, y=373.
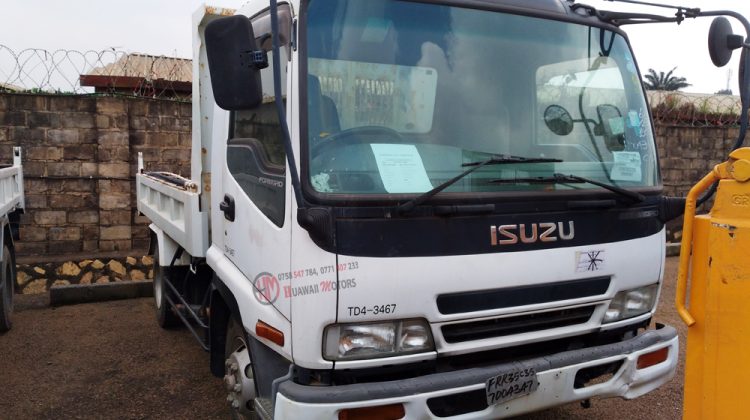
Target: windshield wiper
x=574, y=179
x=495, y=160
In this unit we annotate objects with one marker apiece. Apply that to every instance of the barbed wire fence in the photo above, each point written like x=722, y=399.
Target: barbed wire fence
x=117, y=72
x=110, y=71
x=693, y=109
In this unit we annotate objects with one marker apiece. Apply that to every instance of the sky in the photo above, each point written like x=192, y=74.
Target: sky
x=163, y=27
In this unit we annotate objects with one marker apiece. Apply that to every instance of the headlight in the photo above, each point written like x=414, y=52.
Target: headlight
x=374, y=340
x=631, y=303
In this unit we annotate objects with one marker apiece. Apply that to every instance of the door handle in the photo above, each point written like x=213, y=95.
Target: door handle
x=227, y=207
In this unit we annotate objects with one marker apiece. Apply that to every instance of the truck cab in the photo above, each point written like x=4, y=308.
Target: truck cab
x=440, y=208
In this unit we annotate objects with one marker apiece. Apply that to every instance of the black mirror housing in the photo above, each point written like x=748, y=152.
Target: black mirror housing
x=234, y=63
x=722, y=42
x=558, y=120
x=611, y=126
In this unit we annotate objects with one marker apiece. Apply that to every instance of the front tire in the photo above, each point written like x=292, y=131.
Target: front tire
x=165, y=316
x=7, y=279
x=239, y=376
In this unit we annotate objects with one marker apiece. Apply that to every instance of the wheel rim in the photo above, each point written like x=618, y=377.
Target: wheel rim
x=8, y=286
x=6, y=289
x=239, y=379
x=158, y=281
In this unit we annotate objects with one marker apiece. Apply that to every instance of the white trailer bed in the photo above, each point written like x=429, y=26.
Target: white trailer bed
x=173, y=205
x=11, y=185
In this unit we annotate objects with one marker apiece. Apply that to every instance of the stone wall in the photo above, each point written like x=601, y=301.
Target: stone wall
x=687, y=154
x=79, y=157
x=40, y=276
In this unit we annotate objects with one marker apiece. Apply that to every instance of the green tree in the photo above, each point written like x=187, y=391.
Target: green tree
x=662, y=81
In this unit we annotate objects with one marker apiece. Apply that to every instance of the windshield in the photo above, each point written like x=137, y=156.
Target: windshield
x=401, y=96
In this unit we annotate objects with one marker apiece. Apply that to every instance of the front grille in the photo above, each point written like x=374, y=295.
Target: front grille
x=499, y=327
x=483, y=300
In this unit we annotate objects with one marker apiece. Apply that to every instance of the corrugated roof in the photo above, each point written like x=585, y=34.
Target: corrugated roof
x=6, y=87
x=148, y=67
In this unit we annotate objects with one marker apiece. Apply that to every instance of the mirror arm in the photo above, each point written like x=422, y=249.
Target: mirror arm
x=586, y=120
x=291, y=161
x=627, y=18
x=743, y=20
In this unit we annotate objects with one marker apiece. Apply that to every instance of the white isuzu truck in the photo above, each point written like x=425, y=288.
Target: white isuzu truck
x=11, y=205
x=416, y=209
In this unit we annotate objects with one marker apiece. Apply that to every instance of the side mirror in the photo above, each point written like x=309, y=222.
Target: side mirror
x=558, y=120
x=722, y=42
x=234, y=63
x=611, y=126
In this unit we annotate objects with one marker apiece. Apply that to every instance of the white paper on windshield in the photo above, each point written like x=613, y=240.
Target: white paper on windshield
x=401, y=168
x=627, y=167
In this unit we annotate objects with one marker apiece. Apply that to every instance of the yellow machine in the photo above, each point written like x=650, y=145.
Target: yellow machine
x=717, y=366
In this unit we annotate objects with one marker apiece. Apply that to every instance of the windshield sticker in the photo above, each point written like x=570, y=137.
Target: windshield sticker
x=631, y=67
x=637, y=123
x=588, y=261
x=401, y=168
x=320, y=182
x=627, y=167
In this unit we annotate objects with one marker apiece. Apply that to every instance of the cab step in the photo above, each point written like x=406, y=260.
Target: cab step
x=264, y=408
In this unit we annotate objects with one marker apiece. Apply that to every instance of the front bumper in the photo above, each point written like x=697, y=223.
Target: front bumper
x=556, y=374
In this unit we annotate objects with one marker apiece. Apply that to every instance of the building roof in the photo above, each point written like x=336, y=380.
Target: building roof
x=7, y=87
x=135, y=70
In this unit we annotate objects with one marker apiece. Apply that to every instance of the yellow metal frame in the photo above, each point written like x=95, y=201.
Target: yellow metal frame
x=714, y=252
x=737, y=168
x=686, y=245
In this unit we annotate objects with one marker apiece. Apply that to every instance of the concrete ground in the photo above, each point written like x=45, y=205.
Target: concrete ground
x=111, y=360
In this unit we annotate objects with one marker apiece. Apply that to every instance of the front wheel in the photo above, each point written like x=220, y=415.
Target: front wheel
x=165, y=316
x=239, y=377
x=7, y=278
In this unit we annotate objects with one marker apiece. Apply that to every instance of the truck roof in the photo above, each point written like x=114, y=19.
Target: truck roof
x=554, y=6
x=564, y=10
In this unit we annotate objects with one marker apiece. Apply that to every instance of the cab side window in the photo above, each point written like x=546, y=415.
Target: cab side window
x=255, y=149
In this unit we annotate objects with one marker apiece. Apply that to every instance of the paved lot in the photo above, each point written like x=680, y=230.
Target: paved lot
x=111, y=360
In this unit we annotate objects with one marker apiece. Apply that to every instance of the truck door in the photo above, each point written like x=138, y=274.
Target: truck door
x=256, y=196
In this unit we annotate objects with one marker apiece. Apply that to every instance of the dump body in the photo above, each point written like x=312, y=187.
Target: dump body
x=11, y=185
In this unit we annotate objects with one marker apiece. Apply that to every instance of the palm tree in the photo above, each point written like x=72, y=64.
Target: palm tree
x=663, y=81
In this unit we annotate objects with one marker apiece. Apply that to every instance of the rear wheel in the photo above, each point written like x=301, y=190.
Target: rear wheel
x=165, y=316
x=7, y=278
x=239, y=377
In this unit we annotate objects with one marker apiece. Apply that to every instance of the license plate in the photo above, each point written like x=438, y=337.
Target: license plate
x=510, y=385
